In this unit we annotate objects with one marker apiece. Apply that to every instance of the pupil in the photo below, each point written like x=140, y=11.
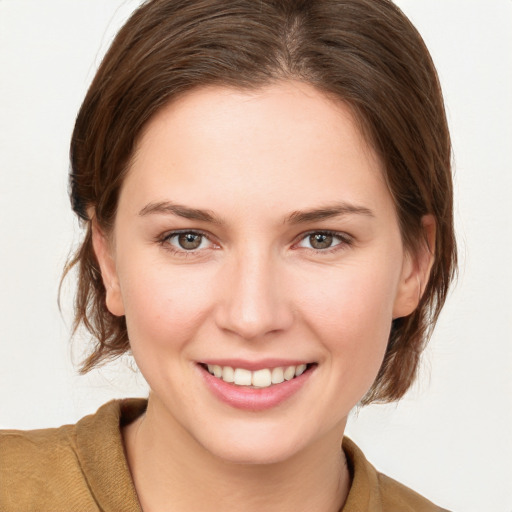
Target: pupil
x=189, y=240
x=320, y=241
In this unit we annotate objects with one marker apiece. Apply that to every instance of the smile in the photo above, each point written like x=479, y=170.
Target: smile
x=262, y=378
x=265, y=385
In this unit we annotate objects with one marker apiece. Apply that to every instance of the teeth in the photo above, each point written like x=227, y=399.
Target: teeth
x=259, y=378
x=262, y=378
x=228, y=374
x=243, y=377
x=300, y=370
x=289, y=373
x=277, y=376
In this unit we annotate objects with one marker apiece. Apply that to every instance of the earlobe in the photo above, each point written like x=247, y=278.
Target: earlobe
x=416, y=271
x=103, y=252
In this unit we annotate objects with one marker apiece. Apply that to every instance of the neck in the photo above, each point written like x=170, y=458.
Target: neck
x=172, y=471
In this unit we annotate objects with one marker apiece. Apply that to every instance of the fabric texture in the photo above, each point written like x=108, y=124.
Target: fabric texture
x=83, y=468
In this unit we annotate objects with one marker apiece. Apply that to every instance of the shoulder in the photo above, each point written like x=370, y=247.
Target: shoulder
x=38, y=467
x=35, y=450
x=396, y=496
x=372, y=490
x=33, y=445
x=74, y=467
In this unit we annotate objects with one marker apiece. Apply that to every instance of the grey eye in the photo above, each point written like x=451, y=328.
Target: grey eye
x=189, y=241
x=321, y=240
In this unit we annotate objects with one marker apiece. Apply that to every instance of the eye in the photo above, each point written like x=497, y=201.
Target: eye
x=187, y=240
x=322, y=240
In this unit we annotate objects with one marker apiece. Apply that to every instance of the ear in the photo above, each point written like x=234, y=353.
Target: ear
x=104, y=255
x=416, y=271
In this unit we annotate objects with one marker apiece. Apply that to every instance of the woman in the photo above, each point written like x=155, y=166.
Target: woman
x=266, y=194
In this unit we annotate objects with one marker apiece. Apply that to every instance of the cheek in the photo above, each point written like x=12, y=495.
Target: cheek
x=164, y=305
x=351, y=313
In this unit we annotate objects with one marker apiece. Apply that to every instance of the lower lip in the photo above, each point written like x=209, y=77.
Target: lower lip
x=254, y=399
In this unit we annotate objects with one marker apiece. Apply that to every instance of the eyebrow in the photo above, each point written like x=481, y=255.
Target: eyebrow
x=296, y=217
x=166, y=208
x=327, y=212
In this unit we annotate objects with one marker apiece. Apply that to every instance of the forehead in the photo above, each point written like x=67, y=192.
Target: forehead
x=285, y=141
x=278, y=112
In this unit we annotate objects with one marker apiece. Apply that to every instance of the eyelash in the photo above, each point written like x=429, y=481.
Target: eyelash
x=164, y=241
x=344, y=239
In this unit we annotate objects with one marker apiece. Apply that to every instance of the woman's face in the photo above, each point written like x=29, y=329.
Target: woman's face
x=255, y=234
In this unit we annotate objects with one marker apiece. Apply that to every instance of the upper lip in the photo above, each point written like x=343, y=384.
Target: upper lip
x=256, y=365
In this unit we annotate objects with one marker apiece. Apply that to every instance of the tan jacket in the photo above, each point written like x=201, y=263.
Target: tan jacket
x=83, y=468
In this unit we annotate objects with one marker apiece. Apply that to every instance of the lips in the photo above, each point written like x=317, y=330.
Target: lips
x=256, y=389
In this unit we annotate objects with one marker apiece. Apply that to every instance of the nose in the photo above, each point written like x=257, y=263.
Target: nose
x=253, y=301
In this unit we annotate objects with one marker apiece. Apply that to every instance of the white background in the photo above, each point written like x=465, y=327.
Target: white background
x=451, y=437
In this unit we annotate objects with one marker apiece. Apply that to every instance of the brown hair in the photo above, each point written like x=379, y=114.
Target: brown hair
x=363, y=52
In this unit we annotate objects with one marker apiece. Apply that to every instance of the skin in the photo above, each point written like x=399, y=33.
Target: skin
x=255, y=288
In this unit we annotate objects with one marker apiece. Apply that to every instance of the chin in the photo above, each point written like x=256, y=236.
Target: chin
x=258, y=444
x=253, y=454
